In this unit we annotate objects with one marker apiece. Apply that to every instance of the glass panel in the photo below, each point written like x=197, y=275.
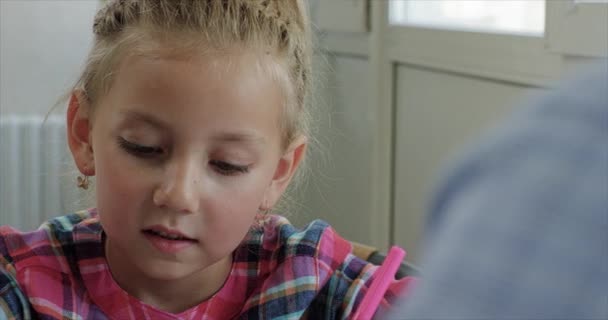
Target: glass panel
x=525, y=17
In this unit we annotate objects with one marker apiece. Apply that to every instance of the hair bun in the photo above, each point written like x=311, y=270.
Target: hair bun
x=113, y=17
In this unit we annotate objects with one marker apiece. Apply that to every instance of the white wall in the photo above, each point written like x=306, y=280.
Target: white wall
x=43, y=45
x=437, y=115
x=338, y=186
x=442, y=98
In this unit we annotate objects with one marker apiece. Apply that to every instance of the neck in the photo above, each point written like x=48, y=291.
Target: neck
x=170, y=295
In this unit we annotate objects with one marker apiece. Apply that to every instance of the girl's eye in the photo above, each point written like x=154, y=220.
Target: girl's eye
x=139, y=150
x=228, y=169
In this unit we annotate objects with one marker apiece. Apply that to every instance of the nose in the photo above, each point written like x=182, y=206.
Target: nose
x=179, y=190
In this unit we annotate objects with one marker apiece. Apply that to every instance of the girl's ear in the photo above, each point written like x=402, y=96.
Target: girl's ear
x=286, y=168
x=79, y=133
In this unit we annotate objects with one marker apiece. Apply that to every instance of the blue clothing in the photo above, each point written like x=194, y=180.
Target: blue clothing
x=519, y=229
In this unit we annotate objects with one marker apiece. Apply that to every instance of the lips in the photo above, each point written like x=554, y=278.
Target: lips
x=168, y=241
x=166, y=233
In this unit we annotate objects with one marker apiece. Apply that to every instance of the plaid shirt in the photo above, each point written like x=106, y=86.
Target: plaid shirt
x=278, y=272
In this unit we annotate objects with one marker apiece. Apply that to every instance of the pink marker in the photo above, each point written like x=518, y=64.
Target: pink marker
x=384, y=275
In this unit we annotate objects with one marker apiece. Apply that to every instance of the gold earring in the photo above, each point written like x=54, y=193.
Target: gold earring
x=264, y=208
x=83, y=183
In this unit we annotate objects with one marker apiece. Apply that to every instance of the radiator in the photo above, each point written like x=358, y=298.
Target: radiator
x=34, y=164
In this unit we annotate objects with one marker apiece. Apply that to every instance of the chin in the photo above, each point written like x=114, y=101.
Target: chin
x=168, y=270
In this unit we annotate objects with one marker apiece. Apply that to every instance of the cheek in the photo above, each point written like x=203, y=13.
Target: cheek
x=117, y=183
x=242, y=194
x=238, y=203
x=234, y=207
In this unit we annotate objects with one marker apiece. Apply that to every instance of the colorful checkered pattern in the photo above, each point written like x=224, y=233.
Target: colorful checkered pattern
x=279, y=272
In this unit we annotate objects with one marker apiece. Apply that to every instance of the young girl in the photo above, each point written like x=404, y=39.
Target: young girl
x=191, y=116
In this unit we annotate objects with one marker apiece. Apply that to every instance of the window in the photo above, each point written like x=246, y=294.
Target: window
x=521, y=17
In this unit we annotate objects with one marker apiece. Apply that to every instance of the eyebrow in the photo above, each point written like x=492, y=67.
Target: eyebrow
x=146, y=118
x=239, y=137
x=227, y=137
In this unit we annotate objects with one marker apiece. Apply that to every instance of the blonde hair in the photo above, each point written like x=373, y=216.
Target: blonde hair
x=280, y=28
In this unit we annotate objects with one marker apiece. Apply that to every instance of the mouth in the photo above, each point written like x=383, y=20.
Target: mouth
x=168, y=241
x=167, y=234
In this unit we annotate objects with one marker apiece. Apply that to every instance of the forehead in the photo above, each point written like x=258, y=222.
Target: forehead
x=208, y=92
x=210, y=69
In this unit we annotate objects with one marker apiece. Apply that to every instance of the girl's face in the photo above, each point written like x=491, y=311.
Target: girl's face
x=185, y=152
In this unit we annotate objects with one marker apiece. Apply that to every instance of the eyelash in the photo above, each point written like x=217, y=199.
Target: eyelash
x=139, y=150
x=224, y=168
x=228, y=169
